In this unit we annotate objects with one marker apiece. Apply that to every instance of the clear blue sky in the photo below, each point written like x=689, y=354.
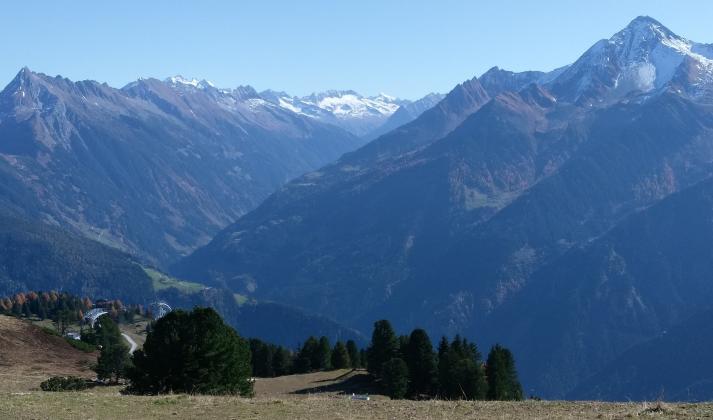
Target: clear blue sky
x=405, y=48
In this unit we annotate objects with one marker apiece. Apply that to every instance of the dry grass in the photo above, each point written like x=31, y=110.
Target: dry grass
x=332, y=383
x=109, y=404
x=28, y=356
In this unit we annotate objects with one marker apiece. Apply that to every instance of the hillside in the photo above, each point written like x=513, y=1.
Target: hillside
x=155, y=168
x=672, y=366
x=28, y=355
x=37, y=256
x=474, y=213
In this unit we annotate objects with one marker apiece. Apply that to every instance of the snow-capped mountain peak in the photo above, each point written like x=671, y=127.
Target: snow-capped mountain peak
x=644, y=56
x=345, y=108
x=180, y=81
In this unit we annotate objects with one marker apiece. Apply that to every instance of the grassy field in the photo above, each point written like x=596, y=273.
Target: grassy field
x=29, y=355
x=162, y=281
x=108, y=404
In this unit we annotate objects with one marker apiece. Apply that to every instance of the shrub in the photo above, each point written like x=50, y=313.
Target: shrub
x=61, y=383
x=50, y=331
x=81, y=345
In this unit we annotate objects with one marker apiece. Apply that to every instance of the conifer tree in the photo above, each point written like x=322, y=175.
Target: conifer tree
x=384, y=347
x=307, y=357
x=442, y=347
x=281, y=361
x=460, y=370
x=503, y=383
x=193, y=352
x=324, y=354
x=395, y=378
x=354, y=359
x=340, y=356
x=114, y=357
x=261, y=357
x=421, y=362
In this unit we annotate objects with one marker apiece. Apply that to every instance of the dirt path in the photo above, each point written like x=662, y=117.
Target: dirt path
x=132, y=343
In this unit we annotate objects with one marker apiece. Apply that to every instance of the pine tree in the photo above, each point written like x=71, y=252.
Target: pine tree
x=193, y=352
x=421, y=362
x=307, y=357
x=353, y=351
x=324, y=354
x=503, y=383
x=282, y=361
x=114, y=357
x=395, y=378
x=384, y=347
x=403, y=346
x=460, y=370
x=442, y=347
x=262, y=354
x=340, y=356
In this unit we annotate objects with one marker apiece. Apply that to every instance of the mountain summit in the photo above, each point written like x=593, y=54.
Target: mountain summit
x=643, y=57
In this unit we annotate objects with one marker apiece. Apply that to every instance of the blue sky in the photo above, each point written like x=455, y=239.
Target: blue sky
x=404, y=48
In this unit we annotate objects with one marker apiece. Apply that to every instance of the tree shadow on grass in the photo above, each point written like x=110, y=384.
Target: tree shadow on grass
x=348, y=383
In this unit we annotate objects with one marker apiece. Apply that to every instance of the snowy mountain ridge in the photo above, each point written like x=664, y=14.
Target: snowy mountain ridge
x=345, y=108
x=645, y=56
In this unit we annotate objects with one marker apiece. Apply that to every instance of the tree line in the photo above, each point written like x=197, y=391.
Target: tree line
x=408, y=366
x=64, y=308
x=405, y=366
x=315, y=354
x=195, y=351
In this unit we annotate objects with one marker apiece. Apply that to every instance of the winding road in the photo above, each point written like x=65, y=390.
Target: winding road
x=131, y=342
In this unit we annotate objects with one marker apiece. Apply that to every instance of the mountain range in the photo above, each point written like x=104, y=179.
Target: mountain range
x=155, y=168
x=565, y=214
x=542, y=210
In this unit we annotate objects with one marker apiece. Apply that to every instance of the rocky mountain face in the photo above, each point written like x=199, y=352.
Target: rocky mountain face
x=156, y=168
x=532, y=209
x=406, y=113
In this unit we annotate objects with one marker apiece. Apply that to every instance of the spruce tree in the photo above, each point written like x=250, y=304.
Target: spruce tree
x=384, y=347
x=460, y=370
x=403, y=346
x=307, y=357
x=503, y=383
x=193, y=352
x=340, y=356
x=282, y=361
x=421, y=362
x=261, y=357
x=324, y=354
x=354, y=359
x=442, y=347
x=114, y=355
x=395, y=378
